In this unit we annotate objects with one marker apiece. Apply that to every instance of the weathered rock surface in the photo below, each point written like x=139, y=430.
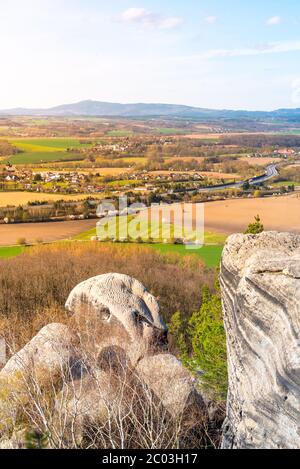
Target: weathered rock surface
x=172, y=383
x=260, y=281
x=118, y=303
x=50, y=351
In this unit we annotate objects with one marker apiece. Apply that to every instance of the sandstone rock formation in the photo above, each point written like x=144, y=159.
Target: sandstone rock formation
x=260, y=281
x=173, y=383
x=48, y=351
x=109, y=363
x=120, y=310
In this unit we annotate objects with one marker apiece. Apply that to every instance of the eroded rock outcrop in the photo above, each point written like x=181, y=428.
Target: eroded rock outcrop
x=115, y=309
x=49, y=351
x=260, y=281
x=107, y=365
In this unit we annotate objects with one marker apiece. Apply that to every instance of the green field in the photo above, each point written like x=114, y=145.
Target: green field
x=43, y=157
x=211, y=255
x=47, y=144
x=119, y=133
x=45, y=150
x=10, y=251
x=209, y=238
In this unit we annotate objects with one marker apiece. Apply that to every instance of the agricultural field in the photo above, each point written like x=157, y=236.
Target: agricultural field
x=45, y=232
x=42, y=157
x=23, y=198
x=222, y=218
x=47, y=144
x=45, y=150
x=210, y=238
x=257, y=161
x=210, y=253
x=280, y=213
x=230, y=216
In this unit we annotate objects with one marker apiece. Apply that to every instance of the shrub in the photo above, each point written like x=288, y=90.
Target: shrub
x=201, y=344
x=22, y=241
x=208, y=341
x=256, y=227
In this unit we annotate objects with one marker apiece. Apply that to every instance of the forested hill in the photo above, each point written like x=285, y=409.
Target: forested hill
x=98, y=108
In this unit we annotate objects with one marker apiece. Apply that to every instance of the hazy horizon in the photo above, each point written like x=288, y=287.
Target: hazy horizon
x=144, y=102
x=209, y=54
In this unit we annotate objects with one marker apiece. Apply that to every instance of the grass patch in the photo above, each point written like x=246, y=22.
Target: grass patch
x=10, y=251
x=211, y=255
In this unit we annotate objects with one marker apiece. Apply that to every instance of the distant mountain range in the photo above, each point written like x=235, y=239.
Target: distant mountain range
x=103, y=109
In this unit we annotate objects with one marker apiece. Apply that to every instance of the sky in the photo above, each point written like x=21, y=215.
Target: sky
x=216, y=54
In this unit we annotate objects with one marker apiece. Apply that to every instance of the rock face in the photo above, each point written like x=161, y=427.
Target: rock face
x=50, y=350
x=173, y=383
x=260, y=281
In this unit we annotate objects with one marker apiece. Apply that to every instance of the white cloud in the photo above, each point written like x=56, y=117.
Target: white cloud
x=136, y=15
x=274, y=20
x=211, y=19
x=148, y=18
x=271, y=48
x=171, y=22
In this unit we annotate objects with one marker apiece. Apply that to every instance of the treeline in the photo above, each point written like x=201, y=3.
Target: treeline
x=43, y=212
x=262, y=140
